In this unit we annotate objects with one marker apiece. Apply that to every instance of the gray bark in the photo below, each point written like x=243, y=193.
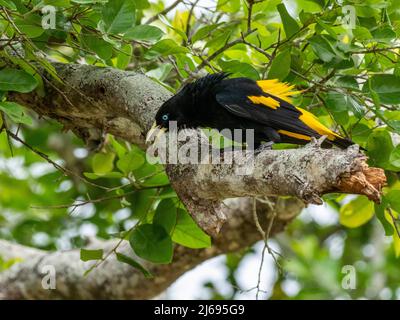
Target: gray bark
x=115, y=280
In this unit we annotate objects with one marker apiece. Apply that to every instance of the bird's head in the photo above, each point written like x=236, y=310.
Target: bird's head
x=172, y=111
x=182, y=110
x=171, y=115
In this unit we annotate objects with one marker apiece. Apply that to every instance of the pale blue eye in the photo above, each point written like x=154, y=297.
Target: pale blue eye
x=165, y=117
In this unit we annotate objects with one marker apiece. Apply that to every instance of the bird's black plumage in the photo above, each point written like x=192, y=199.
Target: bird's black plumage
x=240, y=103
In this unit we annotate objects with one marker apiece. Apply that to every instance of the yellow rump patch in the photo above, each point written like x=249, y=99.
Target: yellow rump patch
x=267, y=101
x=277, y=89
x=312, y=121
x=294, y=135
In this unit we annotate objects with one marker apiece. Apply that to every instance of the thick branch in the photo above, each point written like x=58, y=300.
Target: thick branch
x=95, y=100
x=115, y=280
x=306, y=173
x=92, y=101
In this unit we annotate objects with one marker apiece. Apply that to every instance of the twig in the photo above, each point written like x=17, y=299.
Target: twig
x=64, y=170
x=194, y=4
x=224, y=48
x=394, y=219
x=4, y=127
x=375, y=50
x=113, y=250
x=265, y=236
x=164, y=12
x=84, y=202
x=250, y=10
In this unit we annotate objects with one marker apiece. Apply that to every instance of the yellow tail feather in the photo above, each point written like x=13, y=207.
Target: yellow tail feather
x=278, y=89
x=312, y=121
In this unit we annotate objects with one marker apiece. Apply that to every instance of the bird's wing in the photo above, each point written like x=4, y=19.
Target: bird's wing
x=269, y=102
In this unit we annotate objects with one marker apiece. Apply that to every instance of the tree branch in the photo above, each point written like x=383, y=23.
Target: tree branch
x=115, y=280
x=306, y=173
x=124, y=103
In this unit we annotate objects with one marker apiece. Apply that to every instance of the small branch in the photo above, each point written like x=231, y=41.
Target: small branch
x=84, y=202
x=249, y=14
x=44, y=156
x=164, y=12
x=224, y=48
x=265, y=235
x=394, y=220
x=376, y=50
x=194, y=4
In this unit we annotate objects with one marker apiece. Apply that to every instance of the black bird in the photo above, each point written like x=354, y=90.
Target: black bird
x=215, y=101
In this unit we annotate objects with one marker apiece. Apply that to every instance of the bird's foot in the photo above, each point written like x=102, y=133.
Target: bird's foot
x=264, y=146
x=318, y=142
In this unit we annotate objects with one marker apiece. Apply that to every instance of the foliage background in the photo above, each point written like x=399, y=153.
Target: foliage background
x=351, y=82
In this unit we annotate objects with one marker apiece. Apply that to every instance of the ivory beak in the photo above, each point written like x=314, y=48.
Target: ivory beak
x=156, y=131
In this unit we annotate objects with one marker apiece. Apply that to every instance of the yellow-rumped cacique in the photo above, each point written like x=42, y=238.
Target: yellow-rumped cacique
x=216, y=101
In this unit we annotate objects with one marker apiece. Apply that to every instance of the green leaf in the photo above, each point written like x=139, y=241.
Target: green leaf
x=347, y=102
x=228, y=6
x=396, y=238
x=15, y=112
x=30, y=25
x=118, y=16
x=321, y=3
x=8, y=4
x=165, y=47
x=239, y=69
x=159, y=179
x=380, y=146
x=152, y=242
x=98, y=45
x=188, y=234
x=180, y=32
x=385, y=34
x=347, y=82
x=161, y=72
x=103, y=163
x=306, y=18
x=387, y=87
x=142, y=4
x=118, y=148
x=362, y=33
x=204, y=32
x=128, y=260
x=322, y=48
x=355, y=106
x=219, y=38
x=124, y=56
x=166, y=214
x=144, y=33
x=108, y=175
x=380, y=214
x=337, y=104
x=357, y=212
x=394, y=158
x=280, y=67
x=129, y=162
x=142, y=202
x=392, y=198
x=16, y=80
x=87, y=255
x=89, y=1
x=289, y=23
x=327, y=28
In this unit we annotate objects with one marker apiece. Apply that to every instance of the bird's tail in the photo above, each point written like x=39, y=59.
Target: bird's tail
x=342, y=143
